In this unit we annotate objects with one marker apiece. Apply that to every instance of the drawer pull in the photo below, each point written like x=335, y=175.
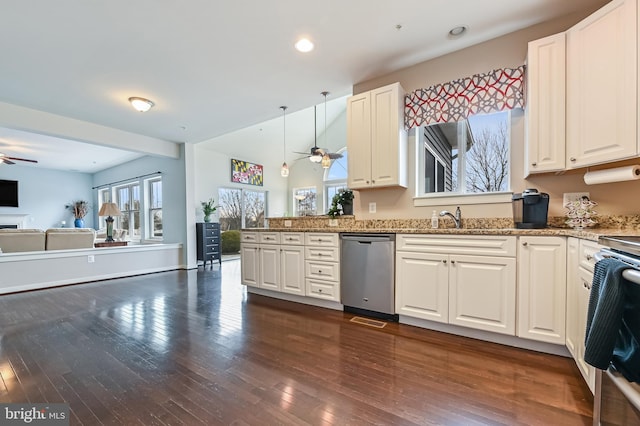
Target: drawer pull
x=572, y=159
x=534, y=164
x=525, y=244
x=453, y=261
x=589, y=257
x=444, y=261
x=319, y=290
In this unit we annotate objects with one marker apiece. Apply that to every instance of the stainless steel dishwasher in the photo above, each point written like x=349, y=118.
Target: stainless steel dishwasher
x=367, y=274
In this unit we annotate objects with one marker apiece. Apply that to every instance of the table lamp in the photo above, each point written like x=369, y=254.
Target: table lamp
x=109, y=210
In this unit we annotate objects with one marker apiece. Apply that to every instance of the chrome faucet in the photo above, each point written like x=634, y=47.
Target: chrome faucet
x=457, y=218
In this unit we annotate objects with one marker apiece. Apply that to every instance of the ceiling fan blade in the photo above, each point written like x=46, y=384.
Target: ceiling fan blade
x=21, y=159
x=5, y=161
x=334, y=155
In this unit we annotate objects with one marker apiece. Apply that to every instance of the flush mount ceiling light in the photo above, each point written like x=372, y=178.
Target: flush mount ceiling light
x=141, y=104
x=457, y=31
x=304, y=45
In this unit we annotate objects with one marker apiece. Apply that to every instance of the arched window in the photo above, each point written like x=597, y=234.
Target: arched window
x=335, y=178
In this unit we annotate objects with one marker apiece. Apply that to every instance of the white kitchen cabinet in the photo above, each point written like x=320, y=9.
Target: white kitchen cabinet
x=602, y=111
x=376, y=138
x=542, y=291
x=545, y=110
x=573, y=262
x=458, y=280
x=584, y=291
x=292, y=269
x=322, y=265
x=269, y=261
x=250, y=264
x=482, y=293
x=422, y=285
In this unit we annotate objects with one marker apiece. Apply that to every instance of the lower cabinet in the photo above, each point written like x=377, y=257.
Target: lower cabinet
x=322, y=265
x=260, y=254
x=542, y=293
x=292, y=270
x=452, y=279
x=580, y=264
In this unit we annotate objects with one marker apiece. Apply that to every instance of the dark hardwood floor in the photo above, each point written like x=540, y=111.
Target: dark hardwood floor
x=191, y=347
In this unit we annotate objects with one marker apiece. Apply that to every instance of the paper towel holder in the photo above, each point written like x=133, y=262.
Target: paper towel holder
x=618, y=174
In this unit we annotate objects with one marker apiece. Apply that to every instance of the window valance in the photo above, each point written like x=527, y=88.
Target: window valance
x=456, y=100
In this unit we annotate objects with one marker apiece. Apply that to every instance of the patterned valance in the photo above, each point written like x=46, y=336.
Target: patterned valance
x=454, y=101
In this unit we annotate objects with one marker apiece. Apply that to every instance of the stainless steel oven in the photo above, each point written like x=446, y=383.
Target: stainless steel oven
x=617, y=400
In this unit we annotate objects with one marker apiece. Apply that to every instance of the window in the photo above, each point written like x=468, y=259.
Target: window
x=154, y=215
x=305, y=201
x=335, y=178
x=241, y=208
x=467, y=157
x=128, y=201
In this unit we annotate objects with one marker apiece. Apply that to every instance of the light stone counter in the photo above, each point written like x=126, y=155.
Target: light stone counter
x=618, y=225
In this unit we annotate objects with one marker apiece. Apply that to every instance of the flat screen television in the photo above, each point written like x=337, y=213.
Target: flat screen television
x=8, y=193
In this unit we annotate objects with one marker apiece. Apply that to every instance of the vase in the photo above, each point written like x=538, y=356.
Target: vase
x=79, y=223
x=347, y=209
x=207, y=218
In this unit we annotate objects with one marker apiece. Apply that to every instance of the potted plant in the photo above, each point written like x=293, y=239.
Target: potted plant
x=341, y=203
x=208, y=208
x=79, y=208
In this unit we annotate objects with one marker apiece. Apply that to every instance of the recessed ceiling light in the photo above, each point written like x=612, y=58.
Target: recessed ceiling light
x=457, y=31
x=141, y=104
x=304, y=45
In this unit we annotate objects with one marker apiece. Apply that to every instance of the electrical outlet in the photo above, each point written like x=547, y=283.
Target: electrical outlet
x=333, y=222
x=91, y=258
x=372, y=207
x=287, y=224
x=567, y=197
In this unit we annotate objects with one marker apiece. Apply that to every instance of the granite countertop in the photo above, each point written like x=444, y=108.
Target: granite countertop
x=586, y=234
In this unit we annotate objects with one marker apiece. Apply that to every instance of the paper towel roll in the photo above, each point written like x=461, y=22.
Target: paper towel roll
x=618, y=174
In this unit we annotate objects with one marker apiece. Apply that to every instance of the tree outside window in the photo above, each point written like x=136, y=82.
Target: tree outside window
x=241, y=208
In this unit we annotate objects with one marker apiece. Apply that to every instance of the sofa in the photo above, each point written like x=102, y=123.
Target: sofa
x=22, y=240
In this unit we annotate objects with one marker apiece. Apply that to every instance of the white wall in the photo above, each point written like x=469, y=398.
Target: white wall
x=43, y=194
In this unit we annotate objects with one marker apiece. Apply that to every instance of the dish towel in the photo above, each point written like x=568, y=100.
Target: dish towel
x=613, y=320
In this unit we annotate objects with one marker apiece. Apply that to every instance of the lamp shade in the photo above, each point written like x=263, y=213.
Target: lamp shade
x=109, y=209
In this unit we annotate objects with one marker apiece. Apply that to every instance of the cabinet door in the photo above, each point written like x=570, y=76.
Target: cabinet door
x=250, y=264
x=270, y=267
x=542, y=291
x=584, y=292
x=359, y=141
x=601, y=86
x=545, y=111
x=573, y=283
x=422, y=286
x=388, y=138
x=292, y=269
x=482, y=293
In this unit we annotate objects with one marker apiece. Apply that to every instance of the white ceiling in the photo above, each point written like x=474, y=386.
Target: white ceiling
x=215, y=67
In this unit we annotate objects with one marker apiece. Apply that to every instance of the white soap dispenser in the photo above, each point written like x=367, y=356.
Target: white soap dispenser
x=434, y=220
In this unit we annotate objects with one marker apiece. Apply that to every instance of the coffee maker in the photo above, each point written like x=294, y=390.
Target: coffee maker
x=530, y=209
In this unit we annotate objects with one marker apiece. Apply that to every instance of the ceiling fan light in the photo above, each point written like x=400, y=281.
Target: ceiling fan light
x=315, y=158
x=284, y=170
x=141, y=104
x=326, y=161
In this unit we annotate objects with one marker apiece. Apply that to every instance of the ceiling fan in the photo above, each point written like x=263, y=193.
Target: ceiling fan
x=7, y=160
x=317, y=154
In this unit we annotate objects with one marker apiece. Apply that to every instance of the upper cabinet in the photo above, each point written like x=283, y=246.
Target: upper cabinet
x=599, y=92
x=376, y=139
x=602, y=52
x=545, y=111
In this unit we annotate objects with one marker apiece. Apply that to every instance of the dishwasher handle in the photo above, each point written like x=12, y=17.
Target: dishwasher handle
x=368, y=238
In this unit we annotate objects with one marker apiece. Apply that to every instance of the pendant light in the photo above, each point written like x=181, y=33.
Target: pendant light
x=326, y=160
x=284, y=170
x=316, y=157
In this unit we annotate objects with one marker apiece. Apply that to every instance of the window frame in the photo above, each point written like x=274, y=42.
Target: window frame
x=150, y=209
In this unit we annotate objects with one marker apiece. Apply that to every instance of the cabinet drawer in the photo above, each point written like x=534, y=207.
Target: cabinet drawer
x=269, y=237
x=587, y=251
x=292, y=238
x=211, y=240
x=327, y=254
x=323, y=290
x=249, y=237
x=211, y=225
x=322, y=270
x=483, y=245
x=321, y=239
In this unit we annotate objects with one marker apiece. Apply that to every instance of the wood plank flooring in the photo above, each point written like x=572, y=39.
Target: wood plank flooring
x=191, y=347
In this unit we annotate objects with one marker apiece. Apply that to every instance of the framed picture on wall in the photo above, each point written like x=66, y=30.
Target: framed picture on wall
x=245, y=172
